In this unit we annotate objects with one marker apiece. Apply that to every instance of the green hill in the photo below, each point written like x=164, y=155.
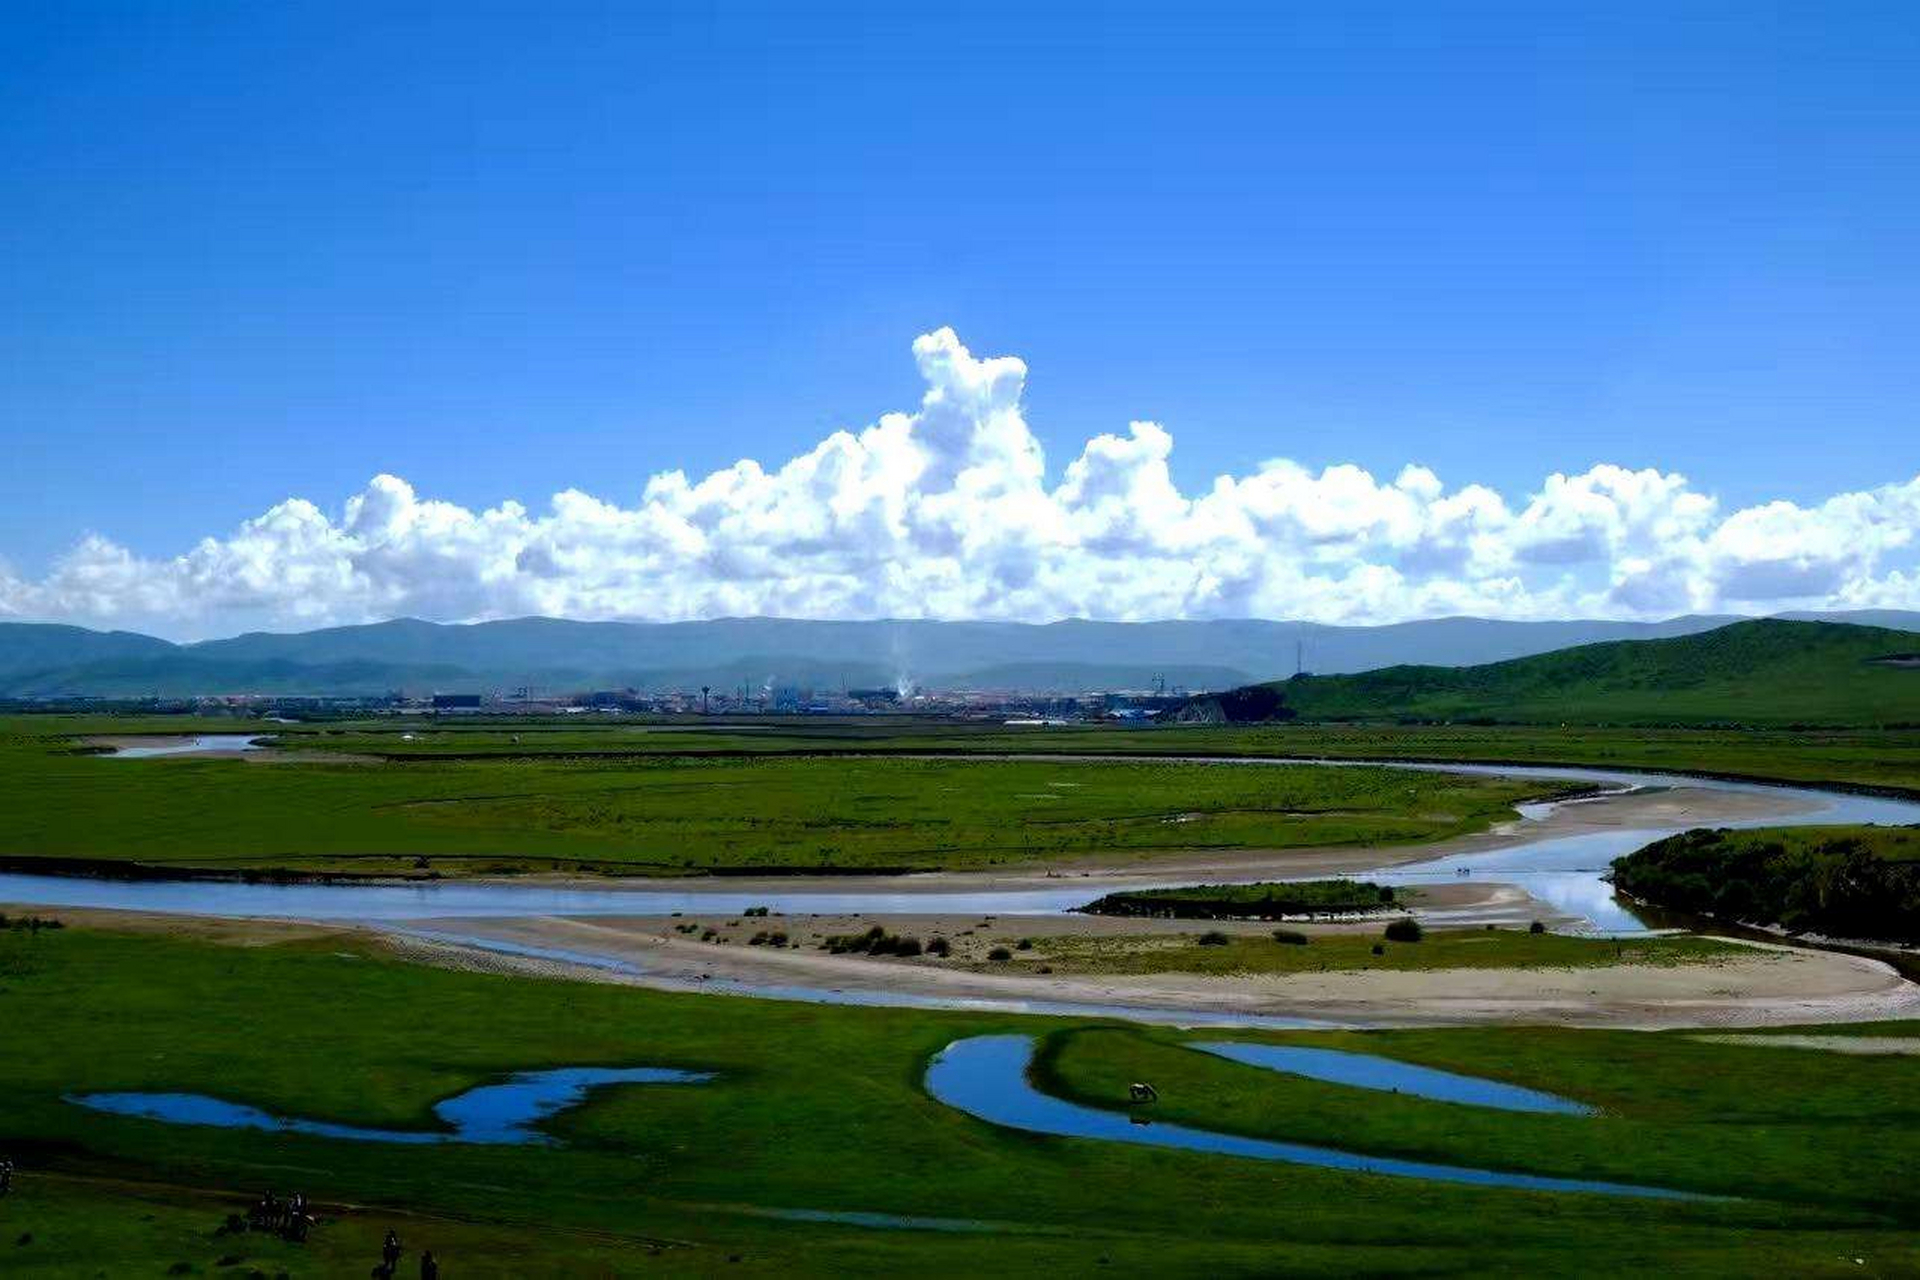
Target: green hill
x=1769, y=671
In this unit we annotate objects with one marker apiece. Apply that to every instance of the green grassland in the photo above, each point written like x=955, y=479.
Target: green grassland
x=1879, y=758
x=820, y=1108
x=1850, y=881
x=1672, y=1114
x=617, y=798
x=1090, y=954
x=1763, y=672
x=689, y=813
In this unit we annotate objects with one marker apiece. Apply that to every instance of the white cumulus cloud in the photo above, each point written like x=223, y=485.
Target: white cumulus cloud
x=949, y=512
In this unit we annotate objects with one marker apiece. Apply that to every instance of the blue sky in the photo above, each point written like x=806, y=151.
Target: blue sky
x=252, y=252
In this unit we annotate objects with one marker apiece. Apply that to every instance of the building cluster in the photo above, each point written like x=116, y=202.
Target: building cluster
x=784, y=701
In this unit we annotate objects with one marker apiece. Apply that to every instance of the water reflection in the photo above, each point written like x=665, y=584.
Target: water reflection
x=200, y=743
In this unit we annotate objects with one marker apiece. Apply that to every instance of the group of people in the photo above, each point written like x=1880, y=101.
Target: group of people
x=390, y=1253
x=290, y=1219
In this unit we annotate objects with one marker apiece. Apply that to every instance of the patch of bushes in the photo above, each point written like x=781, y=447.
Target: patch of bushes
x=1856, y=883
x=938, y=947
x=876, y=941
x=1000, y=955
x=1291, y=937
x=1213, y=938
x=1405, y=929
x=1536, y=927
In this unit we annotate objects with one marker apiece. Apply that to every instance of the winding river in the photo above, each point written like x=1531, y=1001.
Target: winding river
x=1562, y=870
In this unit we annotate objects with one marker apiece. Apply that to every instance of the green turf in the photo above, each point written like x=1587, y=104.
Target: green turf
x=820, y=1108
x=672, y=814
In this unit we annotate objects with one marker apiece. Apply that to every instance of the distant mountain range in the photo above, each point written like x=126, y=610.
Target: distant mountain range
x=1772, y=671
x=555, y=655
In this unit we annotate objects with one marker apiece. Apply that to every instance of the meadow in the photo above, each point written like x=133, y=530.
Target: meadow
x=688, y=812
x=820, y=1109
x=1886, y=759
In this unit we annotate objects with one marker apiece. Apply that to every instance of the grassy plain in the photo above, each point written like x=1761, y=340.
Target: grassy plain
x=820, y=1109
x=624, y=798
x=668, y=814
x=1883, y=758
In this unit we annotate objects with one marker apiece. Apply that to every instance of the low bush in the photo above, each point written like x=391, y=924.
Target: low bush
x=876, y=941
x=1000, y=955
x=1405, y=929
x=1536, y=927
x=1214, y=938
x=1290, y=937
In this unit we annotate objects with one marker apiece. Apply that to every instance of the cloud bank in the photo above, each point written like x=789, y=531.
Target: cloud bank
x=949, y=512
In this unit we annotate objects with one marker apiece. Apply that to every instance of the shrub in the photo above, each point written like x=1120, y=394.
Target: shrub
x=1291, y=937
x=1536, y=927
x=1379, y=950
x=1025, y=944
x=938, y=947
x=1214, y=938
x=874, y=942
x=1405, y=929
x=1000, y=954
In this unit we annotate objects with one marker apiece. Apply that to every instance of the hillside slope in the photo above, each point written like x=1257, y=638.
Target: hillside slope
x=1767, y=671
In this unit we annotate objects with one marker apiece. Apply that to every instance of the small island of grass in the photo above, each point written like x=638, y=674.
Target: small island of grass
x=1264, y=901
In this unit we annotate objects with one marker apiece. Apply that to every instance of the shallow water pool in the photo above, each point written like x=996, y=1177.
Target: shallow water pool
x=1369, y=1071
x=498, y=1114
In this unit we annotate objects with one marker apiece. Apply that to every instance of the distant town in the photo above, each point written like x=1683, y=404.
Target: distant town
x=1152, y=702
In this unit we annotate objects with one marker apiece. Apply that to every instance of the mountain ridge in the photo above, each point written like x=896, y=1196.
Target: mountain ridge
x=1073, y=655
